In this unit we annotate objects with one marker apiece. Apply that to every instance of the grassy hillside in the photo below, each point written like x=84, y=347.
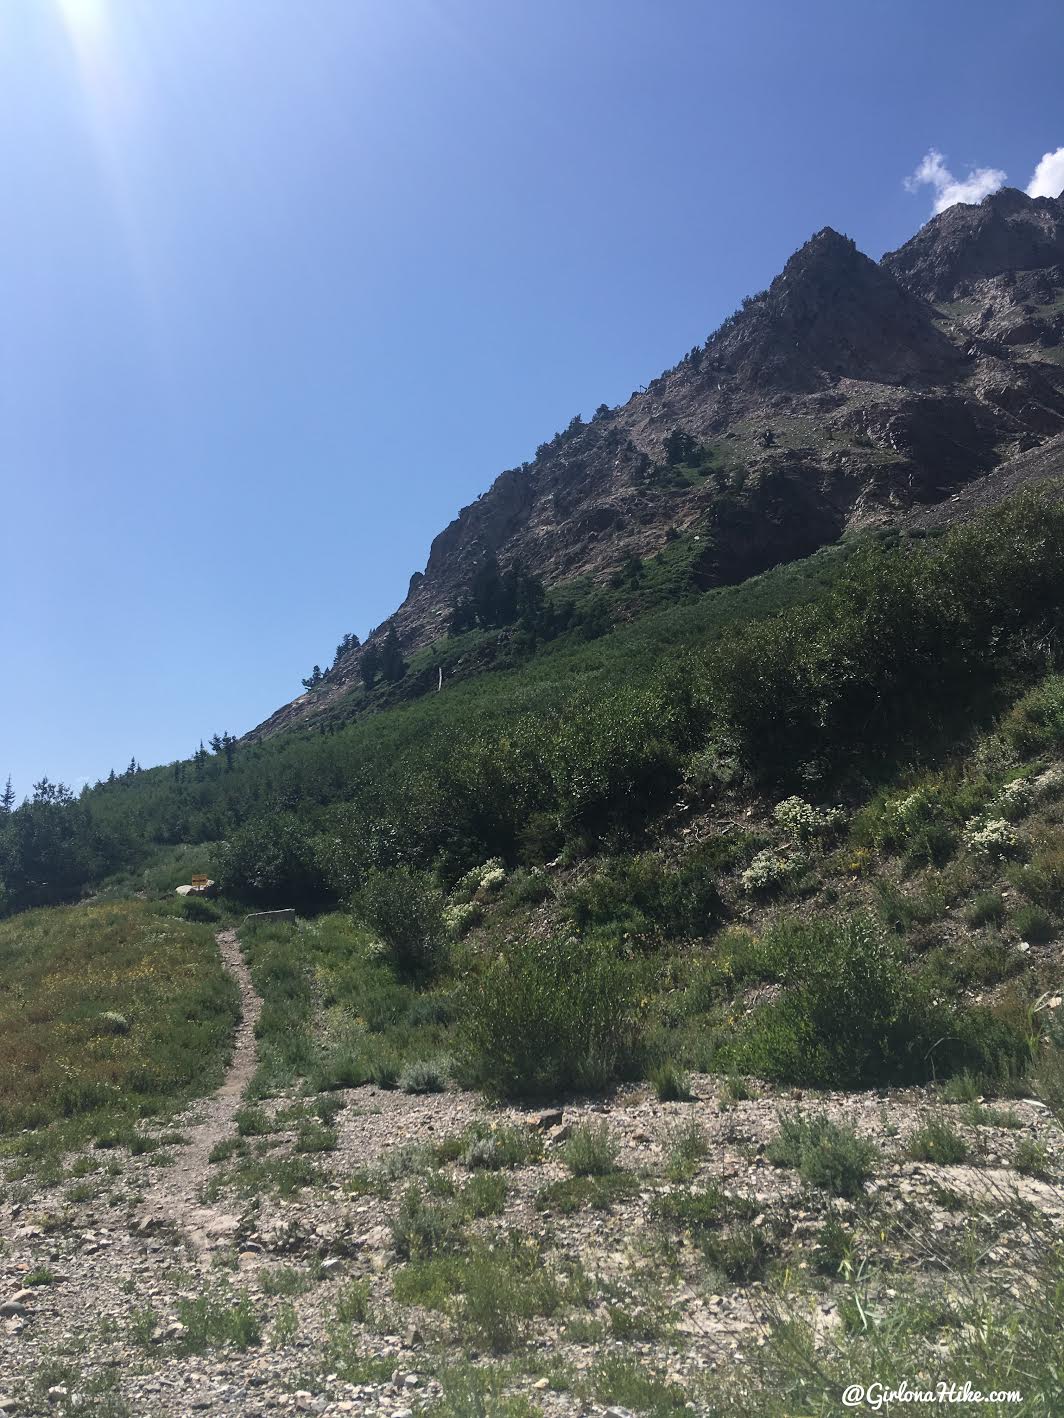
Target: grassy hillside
x=108, y=1013
x=819, y=671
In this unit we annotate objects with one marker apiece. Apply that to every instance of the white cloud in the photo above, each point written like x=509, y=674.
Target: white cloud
x=1048, y=179
x=947, y=189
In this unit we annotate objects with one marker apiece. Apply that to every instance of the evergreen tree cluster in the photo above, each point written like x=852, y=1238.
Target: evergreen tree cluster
x=384, y=661
x=499, y=598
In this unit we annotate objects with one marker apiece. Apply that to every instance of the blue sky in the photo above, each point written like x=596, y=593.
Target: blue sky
x=284, y=283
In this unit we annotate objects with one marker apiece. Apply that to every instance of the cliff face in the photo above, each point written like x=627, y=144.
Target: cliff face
x=848, y=394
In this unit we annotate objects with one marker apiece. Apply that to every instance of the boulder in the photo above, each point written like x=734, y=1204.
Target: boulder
x=209, y=888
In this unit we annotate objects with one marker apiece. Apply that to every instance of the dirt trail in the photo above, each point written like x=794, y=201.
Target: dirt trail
x=174, y=1198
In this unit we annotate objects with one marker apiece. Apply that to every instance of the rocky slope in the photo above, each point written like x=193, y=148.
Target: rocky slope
x=112, y=1319
x=850, y=393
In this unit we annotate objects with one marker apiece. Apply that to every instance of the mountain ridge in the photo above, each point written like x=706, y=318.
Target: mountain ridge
x=849, y=394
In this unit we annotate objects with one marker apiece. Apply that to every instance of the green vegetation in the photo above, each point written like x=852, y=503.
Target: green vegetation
x=850, y=1013
x=596, y=1192
x=670, y=1083
x=825, y=1154
x=519, y=763
x=491, y=1291
x=371, y=1023
x=591, y=1151
x=109, y=1011
x=983, y=1336
x=547, y=1016
x=936, y=1141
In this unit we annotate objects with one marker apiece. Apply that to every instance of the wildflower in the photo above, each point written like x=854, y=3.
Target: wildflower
x=995, y=838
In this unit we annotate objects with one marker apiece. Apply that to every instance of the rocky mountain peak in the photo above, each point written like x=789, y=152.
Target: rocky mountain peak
x=1004, y=233
x=833, y=313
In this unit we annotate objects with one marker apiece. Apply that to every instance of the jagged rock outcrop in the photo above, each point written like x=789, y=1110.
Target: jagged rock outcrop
x=1008, y=232
x=834, y=314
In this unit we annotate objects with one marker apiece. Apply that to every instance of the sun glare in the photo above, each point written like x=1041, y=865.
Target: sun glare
x=83, y=18
x=110, y=70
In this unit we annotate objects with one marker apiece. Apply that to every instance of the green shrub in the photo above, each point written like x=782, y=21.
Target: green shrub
x=698, y=1211
x=546, y=1016
x=483, y=1195
x=213, y=1321
x=483, y=1145
x=253, y=1121
x=735, y=1089
x=919, y=824
x=903, y=909
x=963, y=1087
x=405, y=908
x=987, y=909
x=824, y=1154
x=849, y=1014
x=715, y=1222
x=619, y=1379
x=896, y=637
x=935, y=1141
x=645, y=896
x=272, y=860
x=1042, y=880
x=670, y=1083
x=595, y=1193
x=352, y=1302
x=842, y=1017
x=1047, y=1074
x=424, y=1076
x=688, y=1147
x=1036, y=722
x=1031, y=1159
x=493, y=1291
x=420, y=1228
x=591, y=1151
x=1034, y=924
x=315, y=1137
x=742, y=1254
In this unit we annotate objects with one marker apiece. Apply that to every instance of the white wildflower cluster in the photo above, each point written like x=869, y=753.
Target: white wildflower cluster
x=765, y=871
x=459, y=917
x=993, y=837
x=1015, y=799
x=1050, y=784
x=802, y=820
x=912, y=810
x=480, y=881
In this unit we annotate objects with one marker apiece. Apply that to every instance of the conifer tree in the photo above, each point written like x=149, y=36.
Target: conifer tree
x=393, y=666
x=370, y=665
